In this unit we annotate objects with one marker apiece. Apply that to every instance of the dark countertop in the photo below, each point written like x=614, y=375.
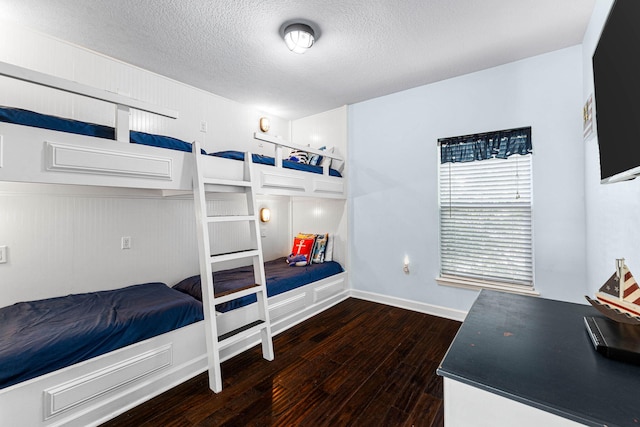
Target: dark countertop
x=537, y=351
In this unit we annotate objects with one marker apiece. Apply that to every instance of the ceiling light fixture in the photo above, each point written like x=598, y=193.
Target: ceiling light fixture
x=299, y=37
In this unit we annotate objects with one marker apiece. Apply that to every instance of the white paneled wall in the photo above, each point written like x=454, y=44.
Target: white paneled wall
x=322, y=216
x=276, y=238
x=327, y=129
x=66, y=239
x=230, y=124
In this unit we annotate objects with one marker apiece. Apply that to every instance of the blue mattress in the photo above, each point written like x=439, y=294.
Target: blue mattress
x=42, y=336
x=30, y=118
x=266, y=160
x=280, y=278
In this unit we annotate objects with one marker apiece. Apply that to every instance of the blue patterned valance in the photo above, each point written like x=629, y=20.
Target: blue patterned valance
x=500, y=144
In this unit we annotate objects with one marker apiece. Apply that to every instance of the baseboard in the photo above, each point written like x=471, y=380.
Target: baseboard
x=421, y=307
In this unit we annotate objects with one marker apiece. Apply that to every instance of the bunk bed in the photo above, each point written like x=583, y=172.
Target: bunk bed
x=101, y=386
x=37, y=154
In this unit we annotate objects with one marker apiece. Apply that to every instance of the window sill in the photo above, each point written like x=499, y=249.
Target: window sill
x=459, y=282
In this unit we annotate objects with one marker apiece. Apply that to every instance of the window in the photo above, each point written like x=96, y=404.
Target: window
x=485, y=215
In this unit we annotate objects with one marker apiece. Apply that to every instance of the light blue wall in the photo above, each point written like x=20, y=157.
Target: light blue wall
x=393, y=168
x=613, y=210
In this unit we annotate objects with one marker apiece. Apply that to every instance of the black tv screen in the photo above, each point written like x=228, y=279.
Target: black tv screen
x=616, y=71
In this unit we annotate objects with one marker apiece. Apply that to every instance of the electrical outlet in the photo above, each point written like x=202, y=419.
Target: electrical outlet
x=203, y=126
x=125, y=242
x=3, y=254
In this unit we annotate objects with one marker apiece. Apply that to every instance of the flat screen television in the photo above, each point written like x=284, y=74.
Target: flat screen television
x=616, y=71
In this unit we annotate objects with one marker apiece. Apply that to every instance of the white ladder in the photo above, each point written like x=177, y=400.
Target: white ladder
x=215, y=343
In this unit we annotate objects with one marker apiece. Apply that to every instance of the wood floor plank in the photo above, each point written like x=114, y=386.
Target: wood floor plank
x=425, y=412
x=357, y=363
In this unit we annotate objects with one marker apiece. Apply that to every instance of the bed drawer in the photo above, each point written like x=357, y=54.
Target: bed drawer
x=295, y=183
x=279, y=180
x=71, y=158
x=321, y=186
x=287, y=306
x=89, y=387
x=328, y=289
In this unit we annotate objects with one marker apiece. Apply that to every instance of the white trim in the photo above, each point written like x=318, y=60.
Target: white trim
x=421, y=307
x=469, y=406
x=475, y=284
x=92, y=161
x=329, y=289
x=47, y=80
x=320, y=186
x=289, y=305
x=122, y=123
x=73, y=158
x=281, y=142
x=278, y=180
x=83, y=389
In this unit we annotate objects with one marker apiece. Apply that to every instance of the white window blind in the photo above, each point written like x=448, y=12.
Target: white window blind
x=485, y=221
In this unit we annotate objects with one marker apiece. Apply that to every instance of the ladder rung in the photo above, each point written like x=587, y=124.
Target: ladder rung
x=229, y=182
x=235, y=255
x=227, y=296
x=240, y=333
x=231, y=218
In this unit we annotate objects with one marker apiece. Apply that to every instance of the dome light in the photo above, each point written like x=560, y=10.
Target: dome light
x=299, y=37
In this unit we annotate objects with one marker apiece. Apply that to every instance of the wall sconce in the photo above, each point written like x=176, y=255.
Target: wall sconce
x=265, y=125
x=299, y=37
x=265, y=214
x=405, y=268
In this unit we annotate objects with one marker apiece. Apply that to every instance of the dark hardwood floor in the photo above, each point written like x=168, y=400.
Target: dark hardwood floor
x=358, y=363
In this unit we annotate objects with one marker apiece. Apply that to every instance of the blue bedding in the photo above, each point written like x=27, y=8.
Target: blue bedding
x=33, y=119
x=266, y=160
x=30, y=118
x=42, y=336
x=280, y=278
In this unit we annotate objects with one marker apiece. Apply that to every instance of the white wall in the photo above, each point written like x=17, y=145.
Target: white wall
x=65, y=239
x=312, y=215
x=393, y=167
x=230, y=125
x=327, y=129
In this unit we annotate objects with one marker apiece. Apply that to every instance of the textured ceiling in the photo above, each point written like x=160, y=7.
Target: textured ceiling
x=366, y=48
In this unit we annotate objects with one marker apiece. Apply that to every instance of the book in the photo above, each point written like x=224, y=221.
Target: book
x=615, y=340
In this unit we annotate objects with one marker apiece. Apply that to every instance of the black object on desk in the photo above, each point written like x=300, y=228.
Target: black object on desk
x=618, y=341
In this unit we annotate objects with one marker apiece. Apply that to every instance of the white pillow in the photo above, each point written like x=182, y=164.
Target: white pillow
x=337, y=164
x=328, y=249
x=326, y=160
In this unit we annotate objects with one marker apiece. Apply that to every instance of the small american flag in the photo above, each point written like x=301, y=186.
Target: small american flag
x=630, y=289
x=611, y=286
